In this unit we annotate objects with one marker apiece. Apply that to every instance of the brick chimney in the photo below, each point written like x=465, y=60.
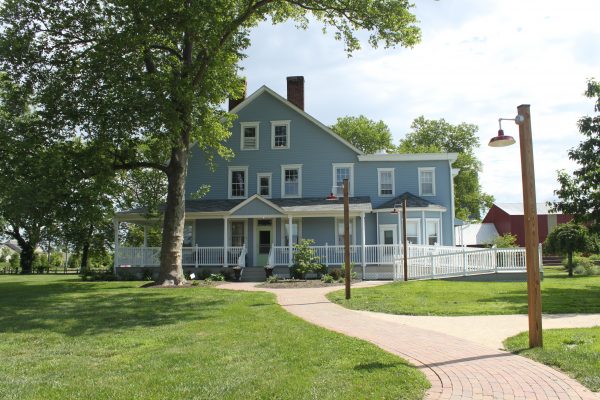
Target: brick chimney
x=295, y=91
x=234, y=102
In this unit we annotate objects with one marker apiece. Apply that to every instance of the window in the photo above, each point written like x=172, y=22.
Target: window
x=280, y=134
x=413, y=231
x=341, y=172
x=433, y=232
x=339, y=231
x=295, y=232
x=426, y=181
x=291, y=180
x=386, y=182
x=188, y=234
x=249, y=135
x=237, y=238
x=238, y=182
x=263, y=184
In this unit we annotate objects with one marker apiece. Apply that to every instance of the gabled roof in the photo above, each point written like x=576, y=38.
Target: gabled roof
x=412, y=201
x=12, y=245
x=476, y=234
x=265, y=89
x=409, y=157
x=257, y=198
x=517, y=208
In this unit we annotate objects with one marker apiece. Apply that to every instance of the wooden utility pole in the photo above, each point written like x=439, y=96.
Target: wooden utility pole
x=531, y=229
x=404, y=240
x=347, y=238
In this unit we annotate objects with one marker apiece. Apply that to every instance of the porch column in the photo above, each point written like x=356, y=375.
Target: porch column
x=362, y=234
x=225, y=235
x=399, y=249
x=424, y=230
x=441, y=238
x=116, y=261
x=290, y=245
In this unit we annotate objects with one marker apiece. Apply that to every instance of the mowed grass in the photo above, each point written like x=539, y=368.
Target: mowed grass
x=574, y=351
x=560, y=294
x=61, y=338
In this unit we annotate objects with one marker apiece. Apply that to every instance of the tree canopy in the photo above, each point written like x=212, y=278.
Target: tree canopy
x=432, y=136
x=365, y=134
x=579, y=194
x=567, y=239
x=145, y=79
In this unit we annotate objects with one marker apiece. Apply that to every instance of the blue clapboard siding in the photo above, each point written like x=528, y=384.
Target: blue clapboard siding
x=316, y=150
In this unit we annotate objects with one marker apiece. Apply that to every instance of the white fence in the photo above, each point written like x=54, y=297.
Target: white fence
x=190, y=256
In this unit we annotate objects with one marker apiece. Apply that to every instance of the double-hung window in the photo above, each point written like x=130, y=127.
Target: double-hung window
x=237, y=238
x=385, y=179
x=291, y=180
x=339, y=231
x=280, y=134
x=188, y=234
x=341, y=172
x=263, y=184
x=413, y=231
x=426, y=181
x=249, y=135
x=433, y=231
x=238, y=182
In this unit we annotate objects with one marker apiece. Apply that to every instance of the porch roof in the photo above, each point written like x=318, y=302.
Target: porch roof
x=412, y=201
x=296, y=205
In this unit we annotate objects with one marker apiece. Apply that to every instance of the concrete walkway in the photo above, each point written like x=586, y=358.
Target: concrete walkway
x=457, y=368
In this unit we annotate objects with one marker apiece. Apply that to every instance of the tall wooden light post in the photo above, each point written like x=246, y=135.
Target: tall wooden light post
x=347, y=239
x=523, y=119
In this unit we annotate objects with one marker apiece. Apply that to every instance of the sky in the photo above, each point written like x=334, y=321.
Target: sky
x=477, y=61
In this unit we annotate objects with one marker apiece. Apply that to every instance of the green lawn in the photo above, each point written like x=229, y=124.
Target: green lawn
x=61, y=338
x=560, y=294
x=575, y=351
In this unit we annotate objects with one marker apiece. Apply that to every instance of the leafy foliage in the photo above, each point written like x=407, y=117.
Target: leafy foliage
x=433, y=136
x=505, y=241
x=305, y=259
x=142, y=81
x=567, y=239
x=578, y=194
x=365, y=134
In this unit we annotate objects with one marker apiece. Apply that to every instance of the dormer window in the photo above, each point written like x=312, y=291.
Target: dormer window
x=280, y=134
x=249, y=136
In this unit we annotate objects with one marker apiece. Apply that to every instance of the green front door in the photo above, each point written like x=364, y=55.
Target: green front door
x=264, y=235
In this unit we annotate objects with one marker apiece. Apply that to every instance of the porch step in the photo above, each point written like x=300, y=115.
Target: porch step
x=257, y=274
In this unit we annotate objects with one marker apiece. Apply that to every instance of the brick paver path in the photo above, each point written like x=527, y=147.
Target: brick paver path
x=456, y=368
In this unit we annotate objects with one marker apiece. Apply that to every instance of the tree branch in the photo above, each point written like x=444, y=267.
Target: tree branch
x=140, y=164
x=168, y=49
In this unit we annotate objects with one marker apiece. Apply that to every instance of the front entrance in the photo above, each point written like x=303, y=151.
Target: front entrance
x=388, y=235
x=264, y=240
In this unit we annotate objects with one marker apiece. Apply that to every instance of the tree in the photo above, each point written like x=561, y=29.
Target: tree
x=578, y=194
x=433, y=136
x=365, y=134
x=567, y=238
x=132, y=75
x=505, y=241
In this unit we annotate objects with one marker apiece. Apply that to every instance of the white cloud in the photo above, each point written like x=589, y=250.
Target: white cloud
x=477, y=62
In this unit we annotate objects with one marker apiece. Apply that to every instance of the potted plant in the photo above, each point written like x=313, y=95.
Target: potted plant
x=237, y=272
x=268, y=271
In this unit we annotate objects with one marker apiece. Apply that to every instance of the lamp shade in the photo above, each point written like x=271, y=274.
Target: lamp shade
x=501, y=140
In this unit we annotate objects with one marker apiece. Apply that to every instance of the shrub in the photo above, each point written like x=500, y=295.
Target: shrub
x=352, y=273
x=15, y=262
x=104, y=275
x=583, y=266
x=306, y=260
x=215, y=278
x=336, y=274
x=273, y=278
x=505, y=241
x=328, y=279
x=195, y=283
x=147, y=274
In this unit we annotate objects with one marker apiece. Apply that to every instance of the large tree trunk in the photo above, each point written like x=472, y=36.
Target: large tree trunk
x=85, y=251
x=27, y=254
x=570, y=263
x=171, y=271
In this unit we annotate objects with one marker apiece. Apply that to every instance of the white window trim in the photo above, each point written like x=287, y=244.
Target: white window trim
x=230, y=231
x=229, y=171
x=289, y=135
x=284, y=222
x=439, y=230
x=418, y=222
x=393, y=171
x=350, y=181
x=337, y=221
x=388, y=227
x=244, y=125
x=264, y=175
x=427, y=169
x=283, y=169
x=193, y=223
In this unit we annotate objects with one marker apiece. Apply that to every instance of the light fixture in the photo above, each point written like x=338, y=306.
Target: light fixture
x=395, y=210
x=503, y=140
x=331, y=197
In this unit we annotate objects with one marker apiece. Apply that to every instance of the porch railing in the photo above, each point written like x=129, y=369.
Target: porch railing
x=190, y=256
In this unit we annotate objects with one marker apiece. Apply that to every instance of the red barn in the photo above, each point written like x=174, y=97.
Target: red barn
x=509, y=218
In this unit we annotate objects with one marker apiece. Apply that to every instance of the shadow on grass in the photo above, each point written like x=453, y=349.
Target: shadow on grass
x=372, y=366
x=75, y=308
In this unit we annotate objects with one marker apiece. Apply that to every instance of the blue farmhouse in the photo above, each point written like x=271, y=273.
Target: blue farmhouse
x=274, y=192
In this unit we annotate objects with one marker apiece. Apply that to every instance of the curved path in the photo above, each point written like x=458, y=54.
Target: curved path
x=457, y=368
